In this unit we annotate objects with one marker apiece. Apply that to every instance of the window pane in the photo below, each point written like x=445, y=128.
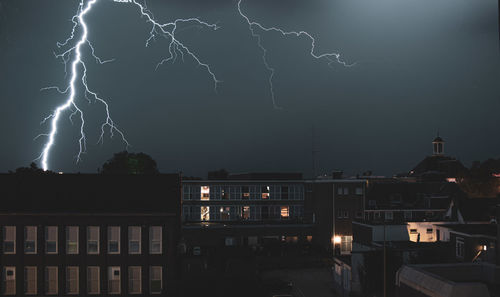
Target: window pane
x=93, y=280
x=114, y=240
x=93, y=240
x=134, y=280
x=72, y=280
x=9, y=239
x=51, y=282
x=155, y=277
x=9, y=280
x=114, y=280
x=155, y=244
x=51, y=239
x=134, y=243
x=72, y=240
x=30, y=285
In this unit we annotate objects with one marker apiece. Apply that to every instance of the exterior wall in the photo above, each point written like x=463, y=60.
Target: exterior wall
x=426, y=230
x=226, y=201
x=472, y=247
x=342, y=278
x=167, y=259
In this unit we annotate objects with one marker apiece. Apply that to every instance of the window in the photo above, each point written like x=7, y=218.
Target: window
x=72, y=240
x=459, y=247
x=225, y=213
x=51, y=240
x=346, y=214
x=205, y=213
x=134, y=280
x=253, y=240
x=245, y=193
x=224, y=194
x=114, y=280
x=51, y=283
x=230, y=241
x=285, y=212
x=114, y=240
x=284, y=193
x=339, y=191
x=9, y=280
x=93, y=240
x=205, y=193
x=93, y=280
x=346, y=191
x=186, y=193
x=134, y=240
x=30, y=286
x=245, y=212
x=389, y=215
x=346, y=245
x=430, y=230
x=72, y=282
x=413, y=231
x=9, y=239
x=359, y=214
x=155, y=278
x=407, y=215
x=372, y=203
x=265, y=192
x=376, y=215
x=155, y=245
x=359, y=191
x=30, y=240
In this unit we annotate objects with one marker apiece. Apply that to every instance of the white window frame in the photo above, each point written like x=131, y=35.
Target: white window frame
x=47, y=228
x=151, y=279
x=5, y=239
x=131, y=280
x=130, y=228
x=69, y=232
x=89, y=240
x=110, y=228
x=27, y=239
x=69, y=280
x=9, y=278
x=96, y=269
x=112, y=277
x=47, y=280
x=27, y=280
x=152, y=240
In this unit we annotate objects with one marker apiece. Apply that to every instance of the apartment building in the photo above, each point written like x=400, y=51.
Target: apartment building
x=89, y=235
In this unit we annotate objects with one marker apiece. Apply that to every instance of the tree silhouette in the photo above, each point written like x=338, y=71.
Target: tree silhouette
x=129, y=163
x=32, y=170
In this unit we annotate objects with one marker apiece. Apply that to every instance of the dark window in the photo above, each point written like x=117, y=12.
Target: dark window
x=284, y=193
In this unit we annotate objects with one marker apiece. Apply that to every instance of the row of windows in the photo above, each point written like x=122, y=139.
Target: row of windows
x=253, y=192
x=72, y=280
x=236, y=213
x=73, y=242
x=345, y=191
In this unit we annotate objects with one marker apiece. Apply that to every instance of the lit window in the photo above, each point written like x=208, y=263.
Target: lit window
x=245, y=212
x=284, y=212
x=265, y=192
x=134, y=280
x=72, y=240
x=155, y=244
x=9, y=239
x=30, y=285
x=114, y=280
x=156, y=280
x=51, y=280
x=30, y=239
x=346, y=245
x=225, y=214
x=72, y=282
x=9, y=280
x=51, y=240
x=134, y=240
x=114, y=240
x=93, y=240
x=205, y=193
x=205, y=213
x=245, y=193
x=93, y=280
x=224, y=194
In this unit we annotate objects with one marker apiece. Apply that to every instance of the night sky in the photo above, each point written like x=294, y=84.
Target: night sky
x=422, y=65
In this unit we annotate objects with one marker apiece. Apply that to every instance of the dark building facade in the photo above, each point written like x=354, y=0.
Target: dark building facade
x=89, y=235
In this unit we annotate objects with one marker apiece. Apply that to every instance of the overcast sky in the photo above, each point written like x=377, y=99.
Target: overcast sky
x=422, y=65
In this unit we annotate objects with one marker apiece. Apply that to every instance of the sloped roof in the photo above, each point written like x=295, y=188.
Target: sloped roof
x=448, y=166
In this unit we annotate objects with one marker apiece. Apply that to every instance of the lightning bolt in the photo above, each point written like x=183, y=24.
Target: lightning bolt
x=79, y=68
x=253, y=26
